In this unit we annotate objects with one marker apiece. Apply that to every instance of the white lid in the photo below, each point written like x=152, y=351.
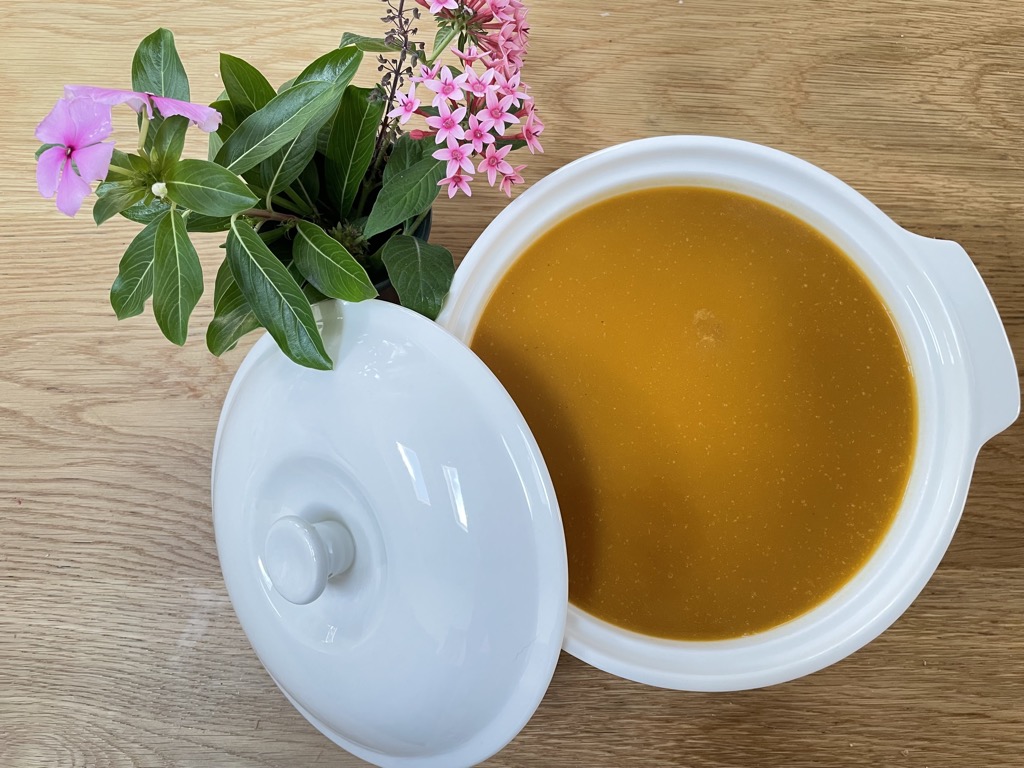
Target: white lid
x=401, y=507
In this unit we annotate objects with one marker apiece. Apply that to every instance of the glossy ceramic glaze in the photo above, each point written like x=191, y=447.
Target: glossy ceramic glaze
x=966, y=387
x=390, y=539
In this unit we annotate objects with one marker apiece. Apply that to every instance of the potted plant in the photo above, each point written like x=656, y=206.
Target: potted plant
x=318, y=186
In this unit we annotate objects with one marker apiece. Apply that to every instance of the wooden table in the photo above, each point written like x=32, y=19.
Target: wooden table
x=118, y=645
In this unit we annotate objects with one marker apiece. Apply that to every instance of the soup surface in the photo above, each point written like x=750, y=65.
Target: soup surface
x=722, y=400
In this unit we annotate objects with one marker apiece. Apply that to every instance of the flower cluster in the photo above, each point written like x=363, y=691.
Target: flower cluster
x=75, y=152
x=472, y=111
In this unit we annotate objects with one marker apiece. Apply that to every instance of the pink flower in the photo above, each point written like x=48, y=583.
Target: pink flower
x=77, y=127
x=445, y=86
x=494, y=163
x=477, y=136
x=436, y=6
x=495, y=115
x=457, y=181
x=418, y=134
x=426, y=73
x=532, y=128
x=511, y=178
x=477, y=84
x=407, y=106
x=206, y=118
x=457, y=156
x=470, y=56
x=447, y=123
x=509, y=86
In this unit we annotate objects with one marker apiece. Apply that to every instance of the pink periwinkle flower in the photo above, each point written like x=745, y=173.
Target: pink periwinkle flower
x=494, y=162
x=407, y=106
x=206, y=118
x=77, y=127
x=445, y=86
x=457, y=181
x=511, y=178
x=496, y=115
x=448, y=123
x=457, y=156
x=436, y=6
x=476, y=135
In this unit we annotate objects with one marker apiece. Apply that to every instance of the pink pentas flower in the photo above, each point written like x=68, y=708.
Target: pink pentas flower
x=445, y=86
x=477, y=84
x=494, y=163
x=495, y=115
x=407, y=106
x=207, y=118
x=436, y=6
x=476, y=135
x=511, y=178
x=532, y=128
x=510, y=85
x=426, y=73
x=470, y=56
x=457, y=181
x=77, y=128
x=457, y=156
x=447, y=123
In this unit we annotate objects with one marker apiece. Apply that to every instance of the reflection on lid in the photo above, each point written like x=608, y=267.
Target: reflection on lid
x=412, y=466
x=451, y=476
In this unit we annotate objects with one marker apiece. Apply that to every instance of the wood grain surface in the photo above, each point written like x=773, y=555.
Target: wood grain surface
x=118, y=645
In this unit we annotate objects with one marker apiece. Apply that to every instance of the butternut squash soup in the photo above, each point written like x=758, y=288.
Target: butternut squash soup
x=723, y=402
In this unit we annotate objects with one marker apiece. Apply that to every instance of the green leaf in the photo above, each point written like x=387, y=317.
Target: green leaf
x=406, y=152
x=444, y=37
x=308, y=184
x=338, y=66
x=350, y=147
x=168, y=143
x=145, y=211
x=248, y=90
x=368, y=44
x=232, y=316
x=275, y=297
x=43, y=148
x=157, y=68
x=114, y=197
x=408, y=193
x=284, y=166
x=329, y=266
x=134, y=282
x=421, y=273
x=138, y=166
x=215, y=143
x=206, y=188
x=177, y=277
x=197, y=222
x=264, y=132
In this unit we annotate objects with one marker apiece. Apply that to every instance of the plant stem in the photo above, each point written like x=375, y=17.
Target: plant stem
x=412, y=227
x=143, y=130
x=260, y=213
x=386, y=123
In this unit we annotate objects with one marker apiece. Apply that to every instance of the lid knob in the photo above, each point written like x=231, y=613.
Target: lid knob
x=299, y=557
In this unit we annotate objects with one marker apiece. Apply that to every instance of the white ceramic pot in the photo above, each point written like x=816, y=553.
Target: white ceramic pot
x=967, y=390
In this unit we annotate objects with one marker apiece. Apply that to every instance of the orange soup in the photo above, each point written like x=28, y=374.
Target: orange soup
x=722, y=400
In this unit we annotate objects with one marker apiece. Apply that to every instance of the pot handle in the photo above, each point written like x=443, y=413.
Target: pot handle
x=995, y=388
